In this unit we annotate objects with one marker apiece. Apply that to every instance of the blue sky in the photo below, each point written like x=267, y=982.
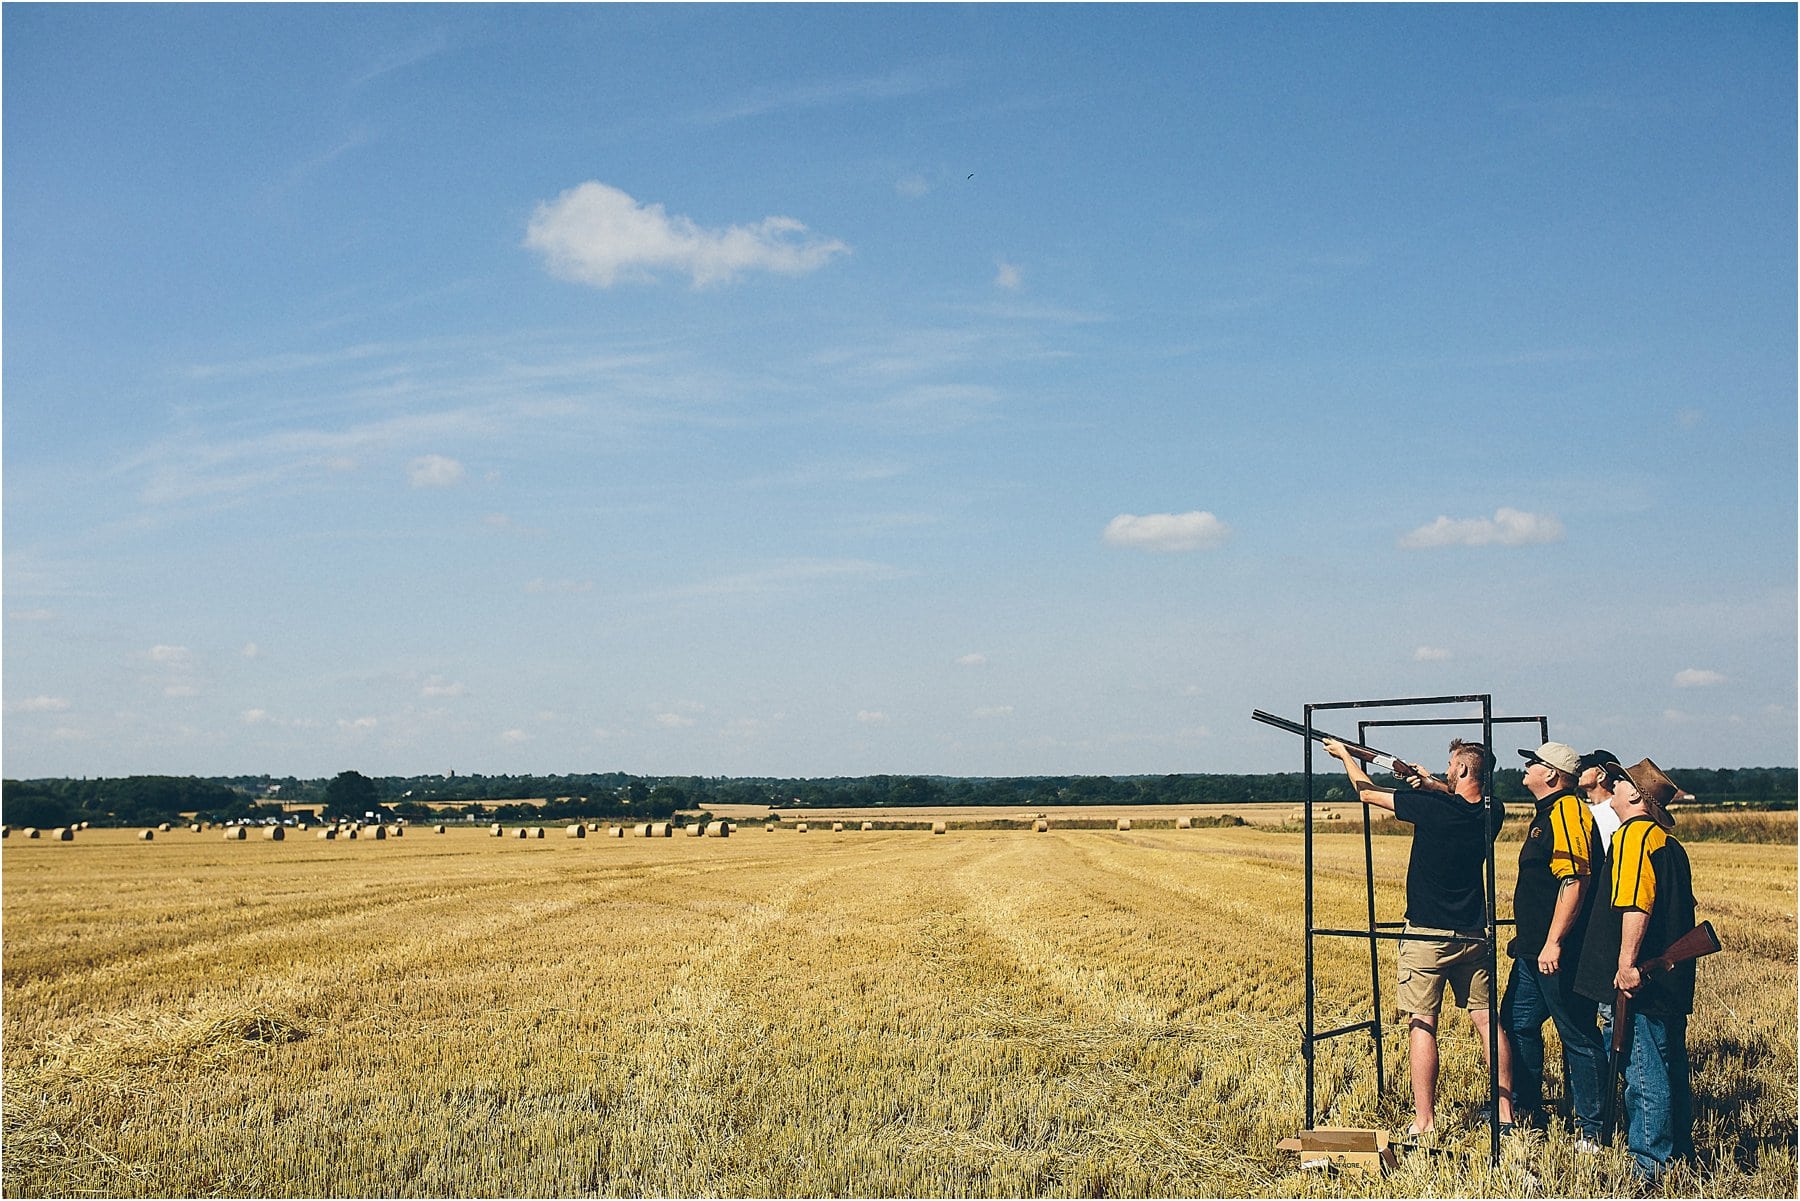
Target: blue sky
x=837, y=390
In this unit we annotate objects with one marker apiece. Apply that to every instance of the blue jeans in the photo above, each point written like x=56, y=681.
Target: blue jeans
x=1532, y=999
x=1659, y=1107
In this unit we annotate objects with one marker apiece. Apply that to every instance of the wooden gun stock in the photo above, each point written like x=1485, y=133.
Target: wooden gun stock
x=1701, y=940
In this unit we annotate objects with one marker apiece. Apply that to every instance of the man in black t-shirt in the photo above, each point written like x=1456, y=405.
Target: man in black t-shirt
x=1446, y=908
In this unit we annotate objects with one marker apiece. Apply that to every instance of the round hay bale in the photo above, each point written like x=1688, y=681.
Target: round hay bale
x=32, y=832
x=1124, y=823
x=521, y=833
x=195, y=827
x=696, y=830
x=616, y=831
x=438, y=829
x=939, y=828
x=380, y=833
x=496, y=831
x=328, y=834
x=868, y=826
x=275, y=834
x=537, y=831
x=163, y=828
x=800, y=827
x=661, y=830
x=84, y=825
x=576, y=831
x=641, y=830
x=148, y=836
x=1184, y=823
x=398, y=832
x=5, y=831
x=718, y=830
x=63, y=834
x=236, y=834
x=837, y=827
x=1040, y=825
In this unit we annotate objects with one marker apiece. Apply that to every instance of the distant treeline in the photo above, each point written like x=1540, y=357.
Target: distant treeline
x=135, y=800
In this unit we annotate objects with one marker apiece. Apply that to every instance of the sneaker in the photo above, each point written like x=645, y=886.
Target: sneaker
x=1586, y=1146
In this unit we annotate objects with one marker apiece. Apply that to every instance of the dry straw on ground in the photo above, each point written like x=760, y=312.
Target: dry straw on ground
x=1000, y=1014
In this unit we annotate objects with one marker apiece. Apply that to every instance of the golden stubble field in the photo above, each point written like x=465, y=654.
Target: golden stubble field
x=983, y=1013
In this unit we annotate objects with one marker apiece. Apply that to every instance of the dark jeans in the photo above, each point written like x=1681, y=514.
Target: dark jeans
x=1532, y=999
x=1659, y=1106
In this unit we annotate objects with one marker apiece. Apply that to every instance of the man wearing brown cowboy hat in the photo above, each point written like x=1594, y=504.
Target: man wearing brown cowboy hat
x=1652, y=904
x=1552, y=900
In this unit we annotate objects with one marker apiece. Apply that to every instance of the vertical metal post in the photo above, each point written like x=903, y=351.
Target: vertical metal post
x=1488, y=801
x=1306, y=1047
x=1362, y=733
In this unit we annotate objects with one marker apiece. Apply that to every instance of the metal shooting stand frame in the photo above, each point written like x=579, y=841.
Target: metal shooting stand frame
x=1394, y=931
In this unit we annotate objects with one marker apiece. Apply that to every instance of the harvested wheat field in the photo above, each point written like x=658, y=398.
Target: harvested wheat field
x=986, y=1013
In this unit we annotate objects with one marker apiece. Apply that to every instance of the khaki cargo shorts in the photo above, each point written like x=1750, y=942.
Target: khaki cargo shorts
x=1427, y=965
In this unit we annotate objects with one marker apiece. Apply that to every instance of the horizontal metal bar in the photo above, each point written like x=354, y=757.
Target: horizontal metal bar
x=1419, y=700
x=1322, y=1035
x=1453, y=721
x=1403, y=937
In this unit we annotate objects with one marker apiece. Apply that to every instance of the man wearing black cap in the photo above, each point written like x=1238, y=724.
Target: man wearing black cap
x=1595, y=783
x=1551, y=903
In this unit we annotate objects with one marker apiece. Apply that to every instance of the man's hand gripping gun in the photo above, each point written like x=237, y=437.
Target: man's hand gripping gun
x=1696, y=942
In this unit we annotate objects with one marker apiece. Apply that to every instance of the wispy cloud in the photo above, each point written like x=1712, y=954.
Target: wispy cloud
x=596, y=234
x=39, y=704
x=824, y=93
x=1698, y=677
x=1197, y=530
x=1431, y=654
x=1009, y=277
x=1507, y=527
x=434, y=471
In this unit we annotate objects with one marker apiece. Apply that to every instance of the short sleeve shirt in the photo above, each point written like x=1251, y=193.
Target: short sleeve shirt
x=1445, y=876
x=1561, y=844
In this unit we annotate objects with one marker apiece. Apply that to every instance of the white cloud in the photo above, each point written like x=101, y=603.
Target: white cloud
x=181, y=690
x=596, y=234
x=515, y=736
x=1698, y=677
x=438, y=686
x=254, y=717
x=1431, y=654
x=871, y=717
x=434, y=471
x=40, y=704
x=170, y=654
x=1507, y=527
x=913, y=186
x=1197, y=530
x=988, y=711
x=251, y=650
x=360, y=723
x=673, y=721
x=1007, y=276
x=974, y=660
x=32, y=615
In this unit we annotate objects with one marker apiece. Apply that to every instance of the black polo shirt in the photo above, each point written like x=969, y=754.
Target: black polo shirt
x=1562, y=842
x=1445, y=885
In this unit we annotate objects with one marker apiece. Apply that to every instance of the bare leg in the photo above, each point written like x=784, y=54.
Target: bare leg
x=1480, y=1018
x=1422, y=1050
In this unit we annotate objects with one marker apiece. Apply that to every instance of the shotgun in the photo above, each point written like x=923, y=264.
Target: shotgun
x=1369, y=755
x=1701, y=940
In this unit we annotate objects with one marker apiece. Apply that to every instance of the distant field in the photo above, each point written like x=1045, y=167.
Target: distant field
x=983, y=1013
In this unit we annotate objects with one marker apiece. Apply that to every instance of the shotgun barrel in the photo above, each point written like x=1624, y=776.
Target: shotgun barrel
x=1367, y=754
